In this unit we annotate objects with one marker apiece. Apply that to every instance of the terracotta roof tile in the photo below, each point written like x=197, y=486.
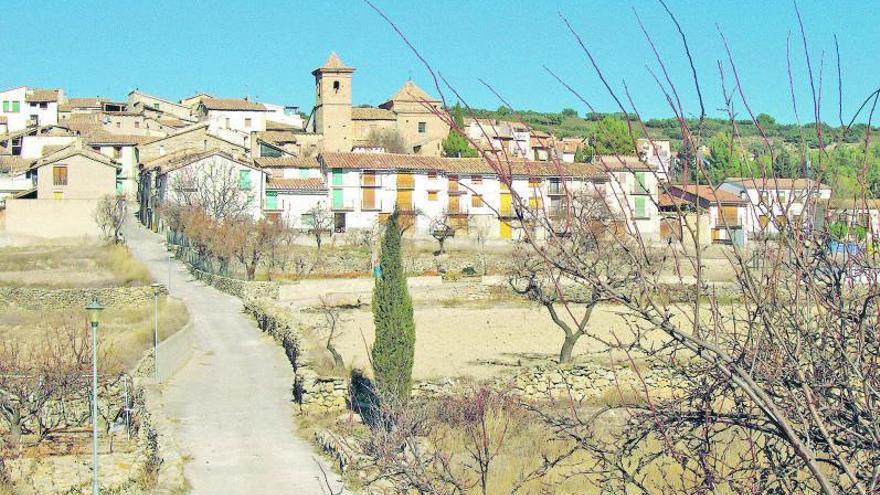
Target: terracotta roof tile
x=287, y=162
x=372, y=113
x=390, y=161
x=278, y=136
x=774, y=183
x=311, y=184
x=707, y=193
x=232, y=104
x=41, y=95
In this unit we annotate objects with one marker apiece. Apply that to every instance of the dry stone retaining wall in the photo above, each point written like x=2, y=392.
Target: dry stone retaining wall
x=32, y=298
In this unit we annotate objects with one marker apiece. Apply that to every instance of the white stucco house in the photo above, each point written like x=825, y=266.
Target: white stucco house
x=25, y=107
x=179, y=178
x=233, y=114
x=776, y=202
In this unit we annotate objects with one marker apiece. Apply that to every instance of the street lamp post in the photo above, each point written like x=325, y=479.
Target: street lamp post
x=94, y=311
x=156, y=289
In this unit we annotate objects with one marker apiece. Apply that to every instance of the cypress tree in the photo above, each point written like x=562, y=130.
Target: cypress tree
x=394, y=345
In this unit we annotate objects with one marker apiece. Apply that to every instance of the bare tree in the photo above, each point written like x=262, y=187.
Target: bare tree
x=252, y=241
x=775, y=392
x=441, y=229
x=110, y=216
x=212, y=186
x=318, y=221
x=333, y=319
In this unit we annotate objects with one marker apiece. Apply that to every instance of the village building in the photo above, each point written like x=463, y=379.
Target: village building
x=724, y=216
x=658, y=154
x=233, y=114
x=410, y=112
x=194, y=138
x=69, y=183
x=139, y=101
x=177, y=178
x=25, y=107
x=633, y=193
x=777, y=202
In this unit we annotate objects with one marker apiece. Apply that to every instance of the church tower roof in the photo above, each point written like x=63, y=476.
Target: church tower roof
x=333, y=64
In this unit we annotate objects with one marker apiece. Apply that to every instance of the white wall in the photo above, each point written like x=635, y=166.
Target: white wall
x=32, y=146
x=235, y=120
x=16, y=121
x=258, y=180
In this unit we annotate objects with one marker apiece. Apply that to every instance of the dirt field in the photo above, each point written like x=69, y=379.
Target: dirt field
x=474, y=341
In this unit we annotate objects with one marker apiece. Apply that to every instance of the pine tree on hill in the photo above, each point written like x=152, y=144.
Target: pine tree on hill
x=394, y=346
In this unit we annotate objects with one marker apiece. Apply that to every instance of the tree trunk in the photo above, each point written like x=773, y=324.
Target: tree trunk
x=568, y=347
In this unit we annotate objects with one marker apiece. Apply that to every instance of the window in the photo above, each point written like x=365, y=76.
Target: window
x=432, y=174
x=244, y=179
x=227, y=122
x=247, y=123
x=59, y=175
x=33, y=105
x=118, y=125
x=336, y=199
x=271, y=200
x=336, y=86
x=16, y=106
x=5, y=106
x=432, y=195
x=534, y=183
x=137, y=124
x=641, y=181
x=476, y=179
x=423, y=127
x=640, y=208
x=368, y=198
x=476, y=201
x=117, y=151
x=57, y=195
x=337, y=177
x=44, y=105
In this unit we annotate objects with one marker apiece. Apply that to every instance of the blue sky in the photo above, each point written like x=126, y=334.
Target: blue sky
x=267, y=49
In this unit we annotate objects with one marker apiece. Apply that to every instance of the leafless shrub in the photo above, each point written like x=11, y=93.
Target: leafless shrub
x=110, y=215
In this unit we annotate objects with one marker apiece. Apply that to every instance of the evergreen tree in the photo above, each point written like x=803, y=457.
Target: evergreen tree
x=456, y=145
x=394, y=345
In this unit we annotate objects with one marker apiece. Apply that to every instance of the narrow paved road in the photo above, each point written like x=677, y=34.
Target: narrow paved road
x=231, y=402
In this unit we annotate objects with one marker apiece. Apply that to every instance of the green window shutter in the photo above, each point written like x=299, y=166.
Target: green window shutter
x=15, y=106
x=337, y=199
x=5, y=106
x=640, y=183
x=337, y=177
x=119, y=187
x=272, y=200
x=244, y=179
x=640, y=208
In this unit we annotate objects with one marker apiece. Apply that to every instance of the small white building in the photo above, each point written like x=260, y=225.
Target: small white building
x=727, y=214
x=633, y=193
x=288, y=115
x=776, y=202
x=178, y=179
x=26, y=107
x=658, y=154
x=233, y=114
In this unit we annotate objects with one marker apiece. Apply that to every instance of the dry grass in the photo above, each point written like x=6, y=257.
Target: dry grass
x=72, y=265
x=128, y=332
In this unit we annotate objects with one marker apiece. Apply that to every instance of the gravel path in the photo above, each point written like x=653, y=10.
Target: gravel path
x=230, y=403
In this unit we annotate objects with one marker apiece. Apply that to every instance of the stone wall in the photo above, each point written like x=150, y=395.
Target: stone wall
x=239, y=288
x=46, y=299
x=311, y=391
